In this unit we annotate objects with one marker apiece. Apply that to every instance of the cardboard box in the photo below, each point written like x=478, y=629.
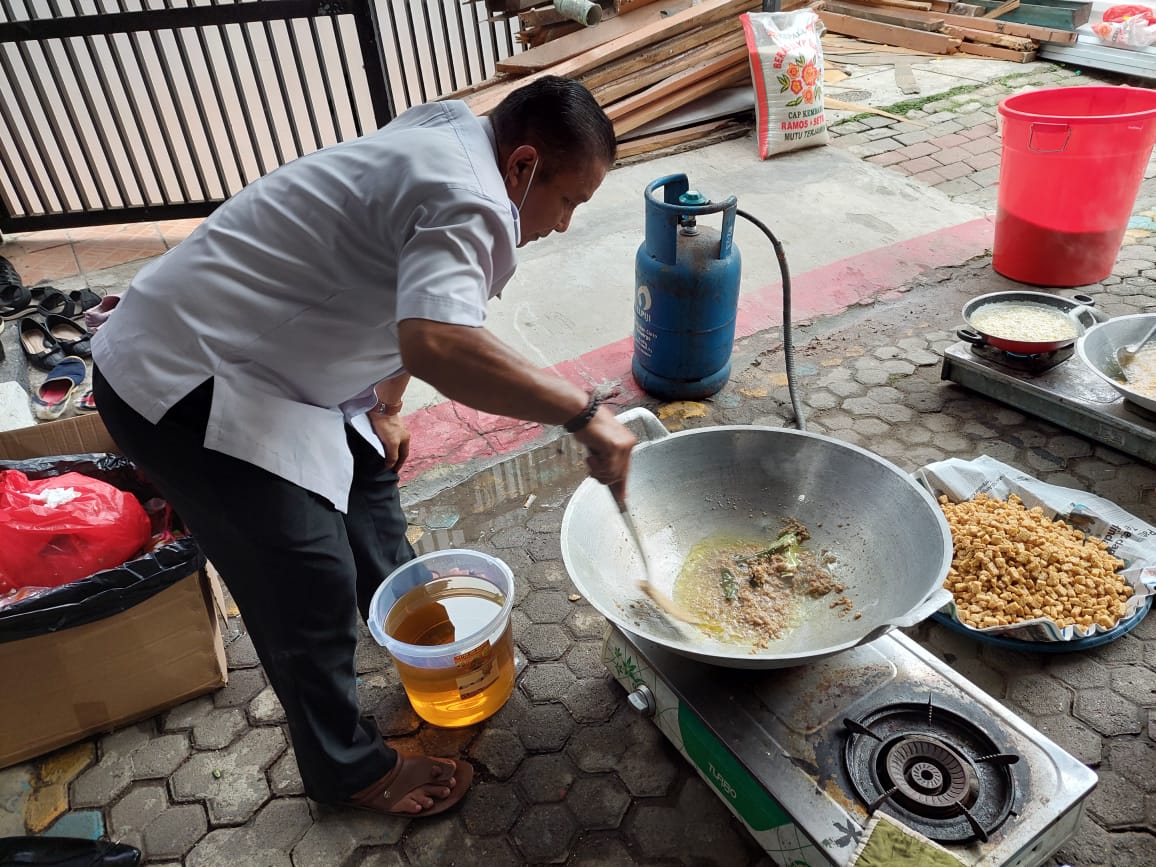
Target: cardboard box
x=80, y=435
x=63, y=686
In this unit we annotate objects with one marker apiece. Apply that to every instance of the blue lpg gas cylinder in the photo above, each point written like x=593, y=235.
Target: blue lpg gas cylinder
x=686, y=300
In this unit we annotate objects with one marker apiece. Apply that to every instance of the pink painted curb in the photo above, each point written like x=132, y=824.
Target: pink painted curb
x=450, y=433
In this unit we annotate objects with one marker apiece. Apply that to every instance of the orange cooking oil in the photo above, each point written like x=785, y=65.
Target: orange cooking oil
x=468, y=686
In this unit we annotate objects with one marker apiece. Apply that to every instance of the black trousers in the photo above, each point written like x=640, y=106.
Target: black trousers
x=298, y=570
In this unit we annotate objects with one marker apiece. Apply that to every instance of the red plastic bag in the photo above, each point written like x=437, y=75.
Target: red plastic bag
x=1125, y=12
x=61, y=529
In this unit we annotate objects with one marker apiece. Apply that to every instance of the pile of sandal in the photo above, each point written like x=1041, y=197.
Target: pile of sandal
x=56, y=343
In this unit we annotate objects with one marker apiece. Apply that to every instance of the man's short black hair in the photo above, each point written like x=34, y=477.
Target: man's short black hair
x=559, y=117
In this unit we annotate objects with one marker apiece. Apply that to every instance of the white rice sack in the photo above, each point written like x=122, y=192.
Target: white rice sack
x=786, y=54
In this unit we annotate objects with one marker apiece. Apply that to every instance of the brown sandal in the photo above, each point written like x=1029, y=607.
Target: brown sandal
x=412, y=772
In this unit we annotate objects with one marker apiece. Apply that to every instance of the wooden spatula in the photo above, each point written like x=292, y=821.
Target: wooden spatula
x=663, y=602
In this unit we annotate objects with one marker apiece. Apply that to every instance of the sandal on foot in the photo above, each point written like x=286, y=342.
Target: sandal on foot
x=53, y=396
x=412, y=772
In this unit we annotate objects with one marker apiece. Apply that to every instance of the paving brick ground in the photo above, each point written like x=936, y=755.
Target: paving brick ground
x=951, y=142
x=567, y=773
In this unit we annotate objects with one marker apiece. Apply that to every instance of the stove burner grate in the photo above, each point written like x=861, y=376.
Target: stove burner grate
x=1035, y=363
x=927, y=775
x=935, y=771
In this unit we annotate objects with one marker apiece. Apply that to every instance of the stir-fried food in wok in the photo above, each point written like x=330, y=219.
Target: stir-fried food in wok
x=750, y=592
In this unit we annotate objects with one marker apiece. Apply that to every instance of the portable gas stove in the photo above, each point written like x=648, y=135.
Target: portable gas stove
x=804, y=756
x=1056, y=387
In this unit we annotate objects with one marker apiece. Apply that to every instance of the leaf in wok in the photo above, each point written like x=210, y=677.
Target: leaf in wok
x=788, y=540
x=730, y=585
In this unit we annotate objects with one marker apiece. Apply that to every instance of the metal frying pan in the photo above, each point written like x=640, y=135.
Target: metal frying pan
x=1078, y=308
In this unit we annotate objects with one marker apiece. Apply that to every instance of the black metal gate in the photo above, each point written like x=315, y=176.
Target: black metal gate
x=115, y=111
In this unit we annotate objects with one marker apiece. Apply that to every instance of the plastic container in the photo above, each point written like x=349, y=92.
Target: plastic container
x=1073, y=159
x=445, y=618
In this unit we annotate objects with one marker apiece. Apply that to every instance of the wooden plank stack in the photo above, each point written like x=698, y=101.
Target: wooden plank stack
x=651, y=58
x=936, y=27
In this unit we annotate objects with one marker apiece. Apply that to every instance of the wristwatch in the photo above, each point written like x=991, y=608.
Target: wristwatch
x=384, y=408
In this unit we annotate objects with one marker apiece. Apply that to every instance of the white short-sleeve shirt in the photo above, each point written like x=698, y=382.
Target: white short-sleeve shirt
x=290, y=293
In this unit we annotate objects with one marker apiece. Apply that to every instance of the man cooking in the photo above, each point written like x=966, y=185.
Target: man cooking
x=256, y=373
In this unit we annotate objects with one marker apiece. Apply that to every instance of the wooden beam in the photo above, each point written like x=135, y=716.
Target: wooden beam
x=899, y=4
x=1002, y=9
x=574, y=44
x=1015, y=43
x=706, y=12
x=889, y=34
x=997, y=53
x=655, y=73
x=954, y=8
x=674, y=83
x=725, y=78
x=624, y=6
x=848, y=50
x=535, y=36
x=1010, y=28
x=469, y=90
x=883, y=16
x=701, y=134
x=660, y=52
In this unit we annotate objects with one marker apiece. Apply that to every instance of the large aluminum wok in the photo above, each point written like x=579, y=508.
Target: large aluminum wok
x=892, y=543
x=1098, y=348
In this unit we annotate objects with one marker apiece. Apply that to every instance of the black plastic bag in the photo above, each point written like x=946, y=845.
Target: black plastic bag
x=110, y=591
x=66, y=852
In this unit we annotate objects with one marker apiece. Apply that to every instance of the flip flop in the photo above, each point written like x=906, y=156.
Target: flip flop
x=51, y=399
x=412, y=772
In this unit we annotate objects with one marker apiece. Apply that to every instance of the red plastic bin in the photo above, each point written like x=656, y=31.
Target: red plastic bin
x=1073, y=159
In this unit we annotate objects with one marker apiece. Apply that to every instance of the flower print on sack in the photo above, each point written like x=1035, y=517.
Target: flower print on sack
x=802, y=80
